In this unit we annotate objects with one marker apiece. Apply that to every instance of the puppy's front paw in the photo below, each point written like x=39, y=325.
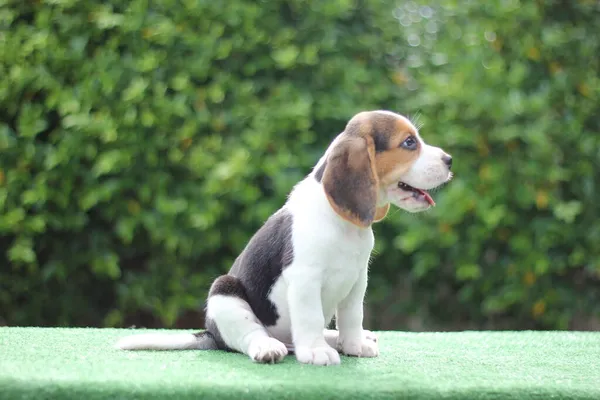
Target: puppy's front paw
x=365, y=347
x=267, y=350
x=322, y=355
x=370, y=336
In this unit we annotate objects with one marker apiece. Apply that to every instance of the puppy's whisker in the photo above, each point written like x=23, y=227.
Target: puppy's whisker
x=415, y=119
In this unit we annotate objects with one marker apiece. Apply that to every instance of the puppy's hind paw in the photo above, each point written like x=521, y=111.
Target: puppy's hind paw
x=267, y=350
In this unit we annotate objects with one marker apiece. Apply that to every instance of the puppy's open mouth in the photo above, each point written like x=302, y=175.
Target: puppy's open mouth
x=418, y=194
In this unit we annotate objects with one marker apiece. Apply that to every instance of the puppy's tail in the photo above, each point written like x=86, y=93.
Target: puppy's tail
x=164, y=341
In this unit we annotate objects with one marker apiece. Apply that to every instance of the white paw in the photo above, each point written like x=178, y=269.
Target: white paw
x=365, y=347
x=370, y=336
x=267, y=350
x=322, y=355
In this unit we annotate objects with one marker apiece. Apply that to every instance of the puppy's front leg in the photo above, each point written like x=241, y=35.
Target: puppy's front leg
x=352, y=339
x=308, y=322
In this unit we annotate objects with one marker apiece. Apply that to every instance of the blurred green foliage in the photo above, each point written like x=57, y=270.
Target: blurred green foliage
x=511, y=89
x=142, y=144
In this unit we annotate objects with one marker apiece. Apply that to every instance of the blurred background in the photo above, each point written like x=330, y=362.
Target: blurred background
x=142, y=143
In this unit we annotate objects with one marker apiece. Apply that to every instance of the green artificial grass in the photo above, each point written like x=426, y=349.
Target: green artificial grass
x=45, y=363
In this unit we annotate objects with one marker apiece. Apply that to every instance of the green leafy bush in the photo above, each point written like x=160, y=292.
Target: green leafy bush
x=142, y=143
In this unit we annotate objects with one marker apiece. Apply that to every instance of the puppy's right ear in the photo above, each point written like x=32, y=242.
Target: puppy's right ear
x=350, y=180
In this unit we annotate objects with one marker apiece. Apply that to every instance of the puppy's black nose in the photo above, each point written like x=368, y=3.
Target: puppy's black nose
x=447, y=160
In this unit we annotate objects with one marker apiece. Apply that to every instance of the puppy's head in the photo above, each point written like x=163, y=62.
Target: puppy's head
x=380, y=159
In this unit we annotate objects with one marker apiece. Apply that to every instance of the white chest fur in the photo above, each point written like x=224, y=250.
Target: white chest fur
x=329, y=256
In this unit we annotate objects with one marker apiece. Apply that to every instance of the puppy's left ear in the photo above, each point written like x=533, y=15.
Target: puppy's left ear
x=350, y=180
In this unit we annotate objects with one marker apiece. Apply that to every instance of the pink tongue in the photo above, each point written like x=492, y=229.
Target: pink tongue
x=427, y=196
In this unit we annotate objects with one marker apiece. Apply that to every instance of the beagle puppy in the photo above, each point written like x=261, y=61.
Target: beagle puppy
x=308, y=263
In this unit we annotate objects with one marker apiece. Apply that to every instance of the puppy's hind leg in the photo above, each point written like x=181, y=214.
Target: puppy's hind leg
x=231, y=319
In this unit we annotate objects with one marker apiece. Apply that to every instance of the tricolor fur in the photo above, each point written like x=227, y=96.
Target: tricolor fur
x=309, y=262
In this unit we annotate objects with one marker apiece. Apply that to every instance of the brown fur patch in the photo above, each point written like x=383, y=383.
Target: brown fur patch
x=396, y=160
x=388, y=131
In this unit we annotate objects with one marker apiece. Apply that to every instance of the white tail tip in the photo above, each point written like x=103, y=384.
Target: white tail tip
x=158, y=341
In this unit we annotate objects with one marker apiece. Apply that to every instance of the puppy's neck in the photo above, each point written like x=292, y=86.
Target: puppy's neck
x=309, y=201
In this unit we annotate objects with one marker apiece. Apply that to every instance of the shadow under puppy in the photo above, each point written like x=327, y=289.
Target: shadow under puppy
x=309, y=261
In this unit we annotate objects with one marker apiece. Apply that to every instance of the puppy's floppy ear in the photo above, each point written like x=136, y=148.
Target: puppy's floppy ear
x=350, y=181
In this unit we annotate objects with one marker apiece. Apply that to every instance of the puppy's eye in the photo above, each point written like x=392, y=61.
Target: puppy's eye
x=410, y=143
